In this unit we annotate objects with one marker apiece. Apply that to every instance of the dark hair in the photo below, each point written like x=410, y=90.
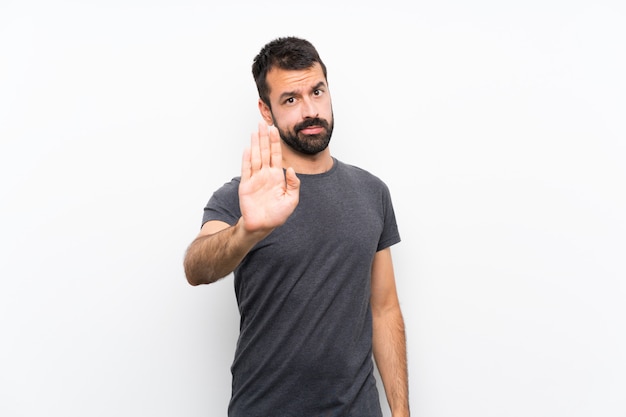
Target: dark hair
x=288, y=53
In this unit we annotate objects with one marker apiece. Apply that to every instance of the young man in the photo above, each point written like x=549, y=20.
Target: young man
x=309, y=246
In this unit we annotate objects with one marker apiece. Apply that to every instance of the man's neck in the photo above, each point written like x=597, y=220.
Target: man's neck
x=307, y=164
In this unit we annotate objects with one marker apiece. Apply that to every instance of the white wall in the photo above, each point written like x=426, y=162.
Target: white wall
x=499, y=127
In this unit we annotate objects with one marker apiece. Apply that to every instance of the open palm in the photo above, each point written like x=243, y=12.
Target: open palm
x=267, y=194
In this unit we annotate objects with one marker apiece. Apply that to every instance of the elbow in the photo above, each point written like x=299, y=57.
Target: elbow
x=197, y=270
x=198, y=274
x=193, y=281
x=202, y=267
x=195, y=274
x=192, y=277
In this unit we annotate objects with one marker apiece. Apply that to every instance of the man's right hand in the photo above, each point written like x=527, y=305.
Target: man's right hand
x=267, y=195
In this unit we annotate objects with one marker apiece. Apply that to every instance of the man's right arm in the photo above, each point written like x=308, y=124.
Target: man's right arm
x=217, y=251
x=267, y=197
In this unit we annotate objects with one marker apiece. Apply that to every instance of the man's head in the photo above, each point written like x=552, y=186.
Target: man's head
x=293, y=93
x=288, y=53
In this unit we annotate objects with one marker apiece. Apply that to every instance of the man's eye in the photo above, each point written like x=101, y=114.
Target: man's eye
x=290, y=100
x=317, y=92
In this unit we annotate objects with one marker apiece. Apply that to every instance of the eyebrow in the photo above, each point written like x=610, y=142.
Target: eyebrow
x=287, y=94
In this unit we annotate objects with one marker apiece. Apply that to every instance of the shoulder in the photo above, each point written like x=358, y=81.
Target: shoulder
x=227, y=194
x=360, y=175
x=224, y=204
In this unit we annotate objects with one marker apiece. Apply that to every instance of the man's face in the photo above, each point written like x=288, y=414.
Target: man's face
x=301, y=108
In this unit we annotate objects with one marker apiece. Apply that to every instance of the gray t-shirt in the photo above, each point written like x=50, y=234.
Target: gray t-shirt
x=305, y=343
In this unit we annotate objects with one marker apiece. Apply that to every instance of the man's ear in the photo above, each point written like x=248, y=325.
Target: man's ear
x=266, y=113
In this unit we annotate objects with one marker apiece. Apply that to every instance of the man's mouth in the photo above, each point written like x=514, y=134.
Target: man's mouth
x=312, y=130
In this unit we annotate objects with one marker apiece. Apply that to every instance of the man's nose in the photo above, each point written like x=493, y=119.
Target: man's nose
x=309, y=109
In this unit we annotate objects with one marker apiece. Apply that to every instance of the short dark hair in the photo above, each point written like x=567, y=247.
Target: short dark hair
x=288, y=53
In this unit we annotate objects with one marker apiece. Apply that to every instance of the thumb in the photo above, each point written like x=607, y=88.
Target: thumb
x=293, y=182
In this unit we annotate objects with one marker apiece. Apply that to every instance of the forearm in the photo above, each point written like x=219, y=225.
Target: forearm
x=389, y=343
x=213, y=256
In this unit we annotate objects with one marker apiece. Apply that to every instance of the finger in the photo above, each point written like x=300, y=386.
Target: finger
x=255, y=153
x=245, y=165
x=264, y=144
x=276, y=153
x=292, y=180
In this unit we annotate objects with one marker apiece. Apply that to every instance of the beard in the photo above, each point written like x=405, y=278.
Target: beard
x=307, y=144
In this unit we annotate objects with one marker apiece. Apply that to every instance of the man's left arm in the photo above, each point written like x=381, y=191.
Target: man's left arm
x=389, y=341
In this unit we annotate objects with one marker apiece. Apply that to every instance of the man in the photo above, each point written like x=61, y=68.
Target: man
x=310, y=250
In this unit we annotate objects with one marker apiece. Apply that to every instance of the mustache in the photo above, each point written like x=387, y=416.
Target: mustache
x=311, y=122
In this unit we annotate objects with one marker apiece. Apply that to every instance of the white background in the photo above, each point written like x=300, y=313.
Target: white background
x=498, y=126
